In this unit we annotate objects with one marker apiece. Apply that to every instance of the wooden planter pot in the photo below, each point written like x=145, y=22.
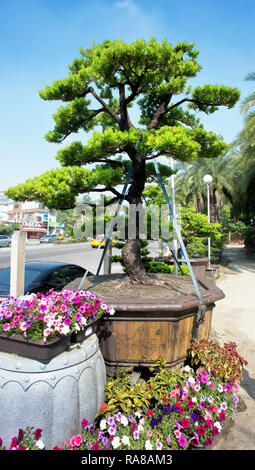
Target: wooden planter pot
x=142, y=331
x=141, y=338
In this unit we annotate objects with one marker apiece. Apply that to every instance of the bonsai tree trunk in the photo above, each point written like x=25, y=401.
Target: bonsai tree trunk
x=131, y=252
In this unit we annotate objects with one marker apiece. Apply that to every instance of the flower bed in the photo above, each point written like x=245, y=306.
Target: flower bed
x=171, y=410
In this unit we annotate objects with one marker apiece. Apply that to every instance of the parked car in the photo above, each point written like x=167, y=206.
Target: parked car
x=41, y=276
x=48, y=239
x=5, y=240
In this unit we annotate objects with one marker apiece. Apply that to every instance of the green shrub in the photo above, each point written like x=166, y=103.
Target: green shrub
x=249, y=236
x=226, y=361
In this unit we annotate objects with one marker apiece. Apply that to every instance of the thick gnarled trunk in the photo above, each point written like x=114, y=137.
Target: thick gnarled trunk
x=131, y=256
x=131, y=252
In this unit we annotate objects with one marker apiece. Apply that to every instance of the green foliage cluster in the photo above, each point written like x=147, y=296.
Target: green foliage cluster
x=225, y=360
x=161, y=267
x=100, y=87
x=249, y=236
x=8, y=229
x=120, y=395
x=196, y=229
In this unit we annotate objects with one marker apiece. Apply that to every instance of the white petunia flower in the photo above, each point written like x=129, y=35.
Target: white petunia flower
x=124, y=421
x=65, y=330
x=125, y=441
x=148, y=445
x=40, y=444
x=103, y=424
x=191, y=379
x=116, y=442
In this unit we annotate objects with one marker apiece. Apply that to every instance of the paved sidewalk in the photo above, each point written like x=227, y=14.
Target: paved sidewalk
x=234, y=320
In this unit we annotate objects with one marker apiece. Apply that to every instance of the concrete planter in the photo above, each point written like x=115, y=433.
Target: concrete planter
x=55, y=396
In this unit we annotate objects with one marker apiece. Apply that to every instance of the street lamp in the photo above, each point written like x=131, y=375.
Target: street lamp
x=208, y=180
x=175, y=247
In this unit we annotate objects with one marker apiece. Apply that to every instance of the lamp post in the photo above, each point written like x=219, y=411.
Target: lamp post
x=208, y=180
x=175, y=247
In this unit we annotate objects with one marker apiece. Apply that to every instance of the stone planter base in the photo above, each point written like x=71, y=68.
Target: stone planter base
x=55, y=396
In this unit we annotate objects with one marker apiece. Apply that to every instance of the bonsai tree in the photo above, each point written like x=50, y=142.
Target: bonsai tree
x=136, y=99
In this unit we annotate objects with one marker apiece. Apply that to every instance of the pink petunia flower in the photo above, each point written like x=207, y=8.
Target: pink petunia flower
x=63, y=308
x=76, y=441
x=38, y=433
x=185, y=423
x=182, y=441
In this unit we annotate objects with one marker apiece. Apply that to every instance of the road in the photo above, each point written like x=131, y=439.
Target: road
x=78, y=253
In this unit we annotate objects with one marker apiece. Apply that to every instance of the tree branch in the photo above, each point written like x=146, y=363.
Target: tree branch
x=125, y=120
x=161, y=110
x=112, y=190
x=191, y=101
x=75, y=129
x=105, y=106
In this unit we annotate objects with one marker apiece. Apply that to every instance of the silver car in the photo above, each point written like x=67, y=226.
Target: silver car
x=48, y=239
x=5, y=240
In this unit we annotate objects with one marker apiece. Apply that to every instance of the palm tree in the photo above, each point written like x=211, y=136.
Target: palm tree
x=190, y=185
x=244, y=145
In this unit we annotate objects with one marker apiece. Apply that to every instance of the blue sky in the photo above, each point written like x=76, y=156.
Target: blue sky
x=40, y=38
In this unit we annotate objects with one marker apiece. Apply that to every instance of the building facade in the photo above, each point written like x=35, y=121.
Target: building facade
x=31, y=217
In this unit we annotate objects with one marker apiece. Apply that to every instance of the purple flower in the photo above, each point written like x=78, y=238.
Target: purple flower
x=194, y=417
x=136, y=435
x=167, y=409
x=8, y=315
x=235, y=400
x=160, y=417
x=223, y=406
x=110, y=421
x=118, y=416
x=104, y=441
x=154, y=422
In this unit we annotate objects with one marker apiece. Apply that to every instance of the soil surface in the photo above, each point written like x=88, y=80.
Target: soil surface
x=111, y=286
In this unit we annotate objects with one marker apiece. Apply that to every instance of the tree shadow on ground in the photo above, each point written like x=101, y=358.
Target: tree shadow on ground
x=236, y=259
x=248, y=384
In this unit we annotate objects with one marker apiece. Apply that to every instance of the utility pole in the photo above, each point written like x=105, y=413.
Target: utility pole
x=208, y=180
